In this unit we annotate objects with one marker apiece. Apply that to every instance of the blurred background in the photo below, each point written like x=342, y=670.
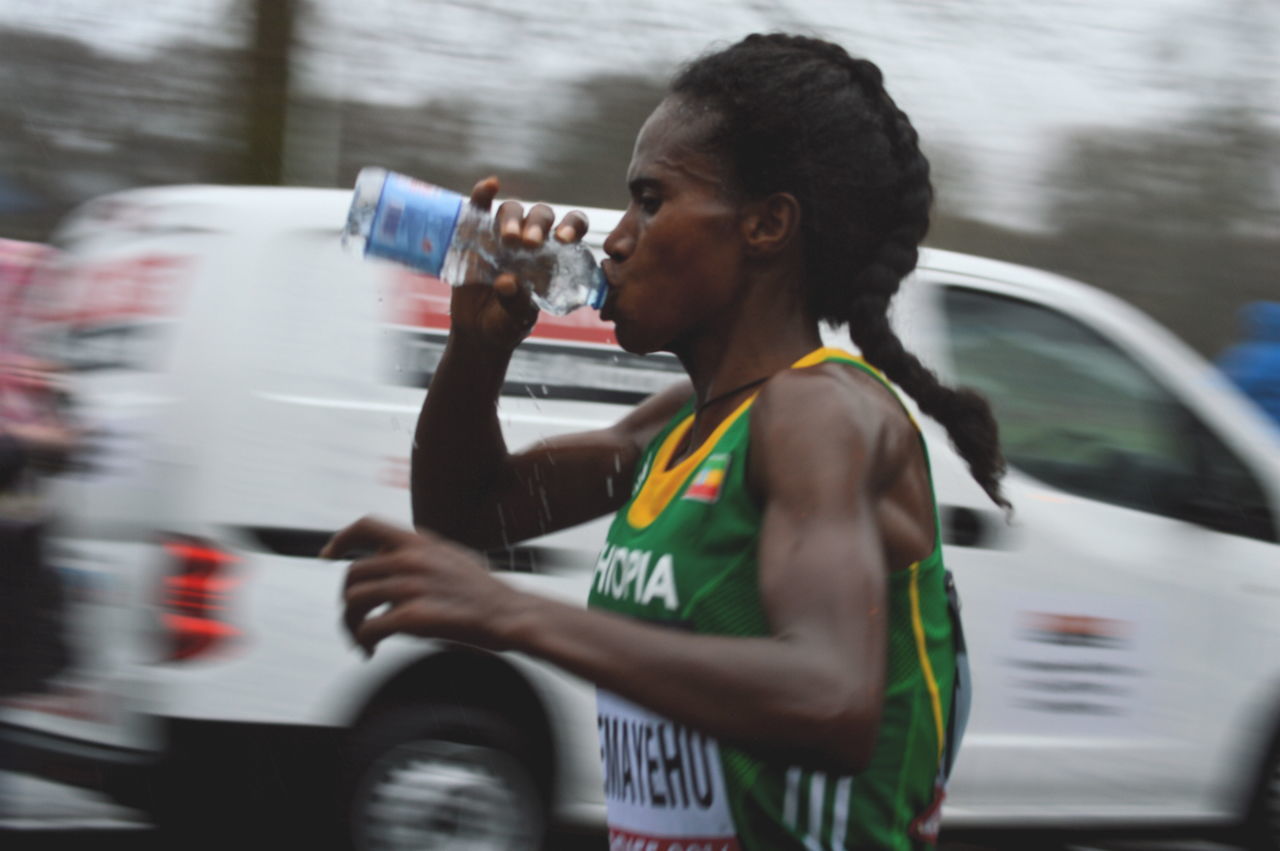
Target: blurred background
x=1135, y=144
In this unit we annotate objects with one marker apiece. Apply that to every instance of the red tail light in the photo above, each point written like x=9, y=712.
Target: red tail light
x=196, y=597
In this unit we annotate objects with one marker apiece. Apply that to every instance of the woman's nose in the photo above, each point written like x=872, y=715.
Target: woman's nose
x=619, y=244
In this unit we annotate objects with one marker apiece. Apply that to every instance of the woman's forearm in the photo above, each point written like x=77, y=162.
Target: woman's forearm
x=776, y=695
x=458, y=449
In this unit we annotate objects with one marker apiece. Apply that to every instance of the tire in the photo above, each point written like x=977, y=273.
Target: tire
x=427, y=777
x=1262, y=831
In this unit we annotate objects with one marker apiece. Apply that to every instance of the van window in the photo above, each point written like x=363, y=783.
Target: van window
x=1077, y=413
x=571, y=357
x=546, y=369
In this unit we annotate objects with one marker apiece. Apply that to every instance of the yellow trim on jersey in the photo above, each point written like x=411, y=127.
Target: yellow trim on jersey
x=828, y=352
x=662, y=484
x=926, y=667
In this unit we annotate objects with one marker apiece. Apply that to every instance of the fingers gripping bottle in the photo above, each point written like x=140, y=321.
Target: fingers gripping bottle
x=439, y=232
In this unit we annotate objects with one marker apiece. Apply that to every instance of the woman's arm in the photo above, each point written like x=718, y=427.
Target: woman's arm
x=464, y=483
x=811, y=690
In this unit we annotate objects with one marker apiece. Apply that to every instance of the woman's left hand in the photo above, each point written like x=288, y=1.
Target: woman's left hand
x=430, y=586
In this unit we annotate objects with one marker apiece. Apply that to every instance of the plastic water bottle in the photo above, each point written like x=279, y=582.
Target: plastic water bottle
x=439, y=232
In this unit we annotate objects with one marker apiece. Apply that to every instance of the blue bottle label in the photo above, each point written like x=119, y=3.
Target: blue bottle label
x=414, y=223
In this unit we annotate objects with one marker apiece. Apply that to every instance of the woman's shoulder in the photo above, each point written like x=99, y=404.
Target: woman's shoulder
x=833, y=395
x=837, y=423
x=832, y=411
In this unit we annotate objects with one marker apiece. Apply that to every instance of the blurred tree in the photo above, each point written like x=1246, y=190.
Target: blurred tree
x=585, y=161
x=76, y=123
x=951, y=172
x=433, y=140
x=269, y=64
x=1205, y=177
x=1184, y=220
x=1174, y=217
x=582, y=159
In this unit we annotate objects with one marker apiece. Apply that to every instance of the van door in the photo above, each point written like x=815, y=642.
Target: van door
x=1091, y=640
x=1227, y=498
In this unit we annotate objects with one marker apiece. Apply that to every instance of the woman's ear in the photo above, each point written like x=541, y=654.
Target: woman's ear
x=771, y=224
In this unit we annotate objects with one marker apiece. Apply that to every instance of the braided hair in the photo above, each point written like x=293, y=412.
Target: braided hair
x=800, y=115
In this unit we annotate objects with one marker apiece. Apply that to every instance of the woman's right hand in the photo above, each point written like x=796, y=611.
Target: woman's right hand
x=498, y=311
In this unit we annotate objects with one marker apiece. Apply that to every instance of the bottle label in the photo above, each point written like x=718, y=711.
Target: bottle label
x=414, y=223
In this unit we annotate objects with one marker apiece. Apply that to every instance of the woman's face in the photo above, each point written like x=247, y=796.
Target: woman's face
x=675, y=257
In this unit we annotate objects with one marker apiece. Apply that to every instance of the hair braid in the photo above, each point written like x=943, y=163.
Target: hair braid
x=801, y=115
x=965, y=414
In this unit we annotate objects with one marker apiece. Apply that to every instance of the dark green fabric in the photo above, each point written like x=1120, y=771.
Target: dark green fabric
x=710, y=549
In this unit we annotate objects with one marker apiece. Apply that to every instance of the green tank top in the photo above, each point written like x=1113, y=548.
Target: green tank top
x=682, y=553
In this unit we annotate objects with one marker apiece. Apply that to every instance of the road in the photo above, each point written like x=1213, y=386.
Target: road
x=39, y=816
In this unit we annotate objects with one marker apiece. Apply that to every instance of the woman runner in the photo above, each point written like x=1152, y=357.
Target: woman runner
x=768, y=626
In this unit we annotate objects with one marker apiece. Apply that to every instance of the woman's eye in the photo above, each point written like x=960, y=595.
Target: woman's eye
x=650, y=203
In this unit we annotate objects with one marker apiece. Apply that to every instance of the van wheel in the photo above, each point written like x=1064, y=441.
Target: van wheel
x=1262, y=831
x=426, y=777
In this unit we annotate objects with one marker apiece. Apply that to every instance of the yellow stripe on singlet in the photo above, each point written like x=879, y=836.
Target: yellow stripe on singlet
x=832, y=353
x=662, y=484
x=926, y=667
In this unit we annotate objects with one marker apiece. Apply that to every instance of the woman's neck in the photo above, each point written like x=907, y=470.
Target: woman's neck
x=726, y=368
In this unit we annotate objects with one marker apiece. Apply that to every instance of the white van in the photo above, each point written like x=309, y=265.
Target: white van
x=253, y=389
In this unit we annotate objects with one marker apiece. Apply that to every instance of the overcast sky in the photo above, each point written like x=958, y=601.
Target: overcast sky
x=999, y=82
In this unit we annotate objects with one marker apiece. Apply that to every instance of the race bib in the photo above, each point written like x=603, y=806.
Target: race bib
x=663, y=782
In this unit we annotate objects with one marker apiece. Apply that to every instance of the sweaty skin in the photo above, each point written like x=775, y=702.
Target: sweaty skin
x=716, y=281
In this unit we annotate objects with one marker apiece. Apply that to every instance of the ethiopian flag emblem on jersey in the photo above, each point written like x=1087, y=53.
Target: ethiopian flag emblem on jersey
x=709, y=479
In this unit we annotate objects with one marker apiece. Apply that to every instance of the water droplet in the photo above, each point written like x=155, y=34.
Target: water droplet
x=502, y=527
x=544, y=390
x=608, y=486
x=617, y=462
